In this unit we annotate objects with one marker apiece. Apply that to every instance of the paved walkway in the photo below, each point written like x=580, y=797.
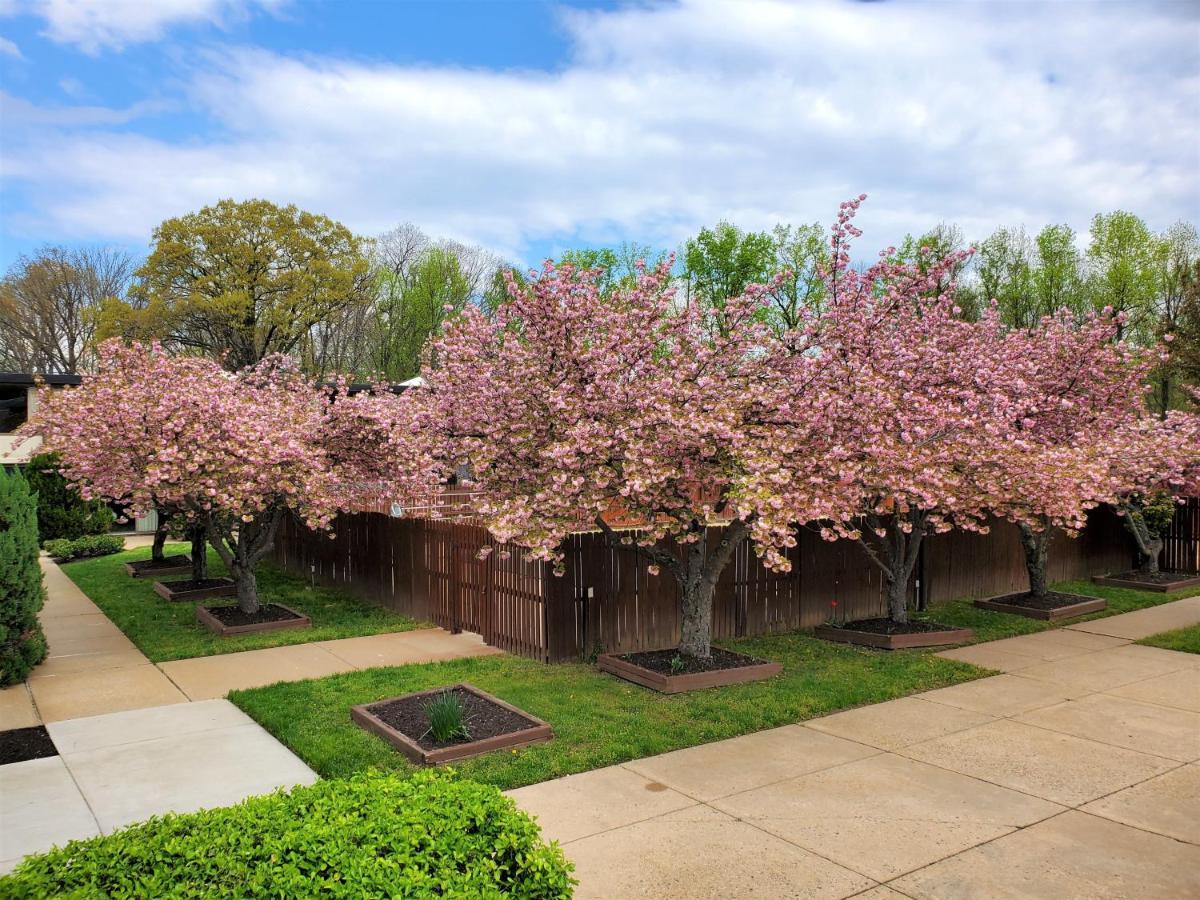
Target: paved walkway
x=1074, y=774
x=83, y=643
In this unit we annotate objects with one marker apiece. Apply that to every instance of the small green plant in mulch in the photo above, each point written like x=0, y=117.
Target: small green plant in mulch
x=677, y=664
x=447, y=718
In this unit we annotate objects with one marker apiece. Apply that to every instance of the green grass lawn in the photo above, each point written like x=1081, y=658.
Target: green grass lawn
x=164, y=630
x=598, y=720
x=1185, y=639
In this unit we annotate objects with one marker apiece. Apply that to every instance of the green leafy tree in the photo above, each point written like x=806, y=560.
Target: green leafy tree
x=1058, y=276
x=1005, y=267
x=620, y=264
x=801, y=253
x=61, y=512
x=719, y=262
x=1124, y=260
x=929, y=252
x=22, y=644
x=1186, y=348
x=240, y=281
x=1178, y=257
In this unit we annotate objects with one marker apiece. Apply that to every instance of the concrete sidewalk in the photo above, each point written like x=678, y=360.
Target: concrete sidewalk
x=93, y=668
x=1076, y=774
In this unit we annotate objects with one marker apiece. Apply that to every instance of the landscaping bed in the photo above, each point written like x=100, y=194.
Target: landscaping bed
x=176, y=564
x=374, y=835
x=884, y=634
x=167, y=631
x=1052, y=606
x=669, y=672
x=230, y=620
x=22, y=744
x=1156, y=581
x=189, y=589
x=488, y=724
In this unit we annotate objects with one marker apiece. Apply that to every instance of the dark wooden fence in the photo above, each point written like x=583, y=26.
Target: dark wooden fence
x=430, y=569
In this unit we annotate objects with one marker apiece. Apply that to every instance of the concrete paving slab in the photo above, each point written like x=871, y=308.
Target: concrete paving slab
x=99, y=641
x=753, y=760
x=1173, y=733
x=16, y=708
x=1044, y=650
x=42, y=807
x=985, y=657
x=208, y=677
x=699, y=852
x=898, y=723
x=1058, y=767
x=82, y=626
x=127, y=783
x=1107, y=669
x=405, y=647
x=1168, y=805
x=67, y=664
x=1082, y=639
x=116, y=729
x=1144, y=622
x=63, y=604
x=1071, y=855
x=577, y=806
x=1178, y=689
x=1001, y=695
x=886, y=815
x=882, y=892
x=91, y=693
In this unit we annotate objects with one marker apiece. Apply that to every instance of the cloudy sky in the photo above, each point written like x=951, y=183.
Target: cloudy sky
x=531, y=125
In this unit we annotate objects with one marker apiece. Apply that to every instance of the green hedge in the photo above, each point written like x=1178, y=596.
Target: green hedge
x=373, y=835
x=22, y=644
x=61, y=512
x=88, y=545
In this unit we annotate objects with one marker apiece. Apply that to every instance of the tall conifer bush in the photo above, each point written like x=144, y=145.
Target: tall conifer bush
x=22, y=644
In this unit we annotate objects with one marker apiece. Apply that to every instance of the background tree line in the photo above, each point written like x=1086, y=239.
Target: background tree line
x=238, y=281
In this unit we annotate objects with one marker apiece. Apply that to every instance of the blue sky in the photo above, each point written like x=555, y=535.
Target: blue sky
x=531, y=126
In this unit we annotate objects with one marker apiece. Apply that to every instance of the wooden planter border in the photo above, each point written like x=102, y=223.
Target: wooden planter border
x=895, y=641
x=205, y=617
x=163, y=589
x=1082, y=608
x=364, y=717
x=143, y=571
x=1147, y=586
x=693, y=681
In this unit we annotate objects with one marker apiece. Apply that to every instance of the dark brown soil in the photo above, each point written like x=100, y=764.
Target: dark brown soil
x=1153, y=577
x=268, y=612
x=192, y=585
x=660, y=661
x=887, y=626
x=21, y=744
x=148, y=566
x=483, y=718
x=1051, y=600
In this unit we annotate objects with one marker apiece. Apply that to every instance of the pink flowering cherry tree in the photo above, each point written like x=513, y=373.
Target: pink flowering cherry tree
x=235, y=452
x=1074, y=391
x=902, y=389
x=573, y=411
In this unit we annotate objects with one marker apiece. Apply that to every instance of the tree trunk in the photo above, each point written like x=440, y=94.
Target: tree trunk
x=247, y=589
x=198, y=535
x=160, y=538
x=897, y=599
x=896, y=552
x=695, y=599
x=1149, y=556
x=1036, y=545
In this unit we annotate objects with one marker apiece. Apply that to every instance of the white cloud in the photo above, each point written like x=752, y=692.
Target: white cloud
x=8, y=48
x=96, y=24
x=670, y=117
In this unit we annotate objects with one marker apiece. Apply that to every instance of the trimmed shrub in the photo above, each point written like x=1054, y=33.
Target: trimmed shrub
x=89, y=545
x=61, y=512
x=22, y=644
x=373, y=835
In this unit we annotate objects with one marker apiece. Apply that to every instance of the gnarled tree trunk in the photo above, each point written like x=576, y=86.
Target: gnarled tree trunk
x=1148, y=542
x=1036, y=544
x=161, y=530
x=198, y=535
x=241, y=546
x=896, y=552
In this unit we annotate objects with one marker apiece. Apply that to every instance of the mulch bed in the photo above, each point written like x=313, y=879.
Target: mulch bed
x=1053, y=605
x=492, y=725
x=228, y=620
x=190, y=589
x=21, y=744
x=652, y=669
x=660, y=661
x=144, y=568
x=885, y=634
x=1150, y=581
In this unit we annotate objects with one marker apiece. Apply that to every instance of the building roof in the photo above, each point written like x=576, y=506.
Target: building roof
x=31, y=378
